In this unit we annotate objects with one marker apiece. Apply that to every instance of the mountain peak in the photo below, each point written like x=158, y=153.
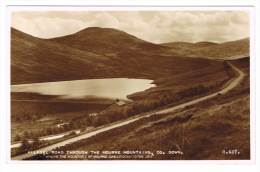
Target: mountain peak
x=100, y=29
x=105, y=40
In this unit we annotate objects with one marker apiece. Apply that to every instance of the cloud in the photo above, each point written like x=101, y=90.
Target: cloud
x=45, y=27
x=152, y=26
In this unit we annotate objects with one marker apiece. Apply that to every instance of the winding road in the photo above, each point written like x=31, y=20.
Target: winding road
x=232, y=84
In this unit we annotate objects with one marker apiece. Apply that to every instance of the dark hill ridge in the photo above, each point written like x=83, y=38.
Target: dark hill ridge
x=18, y=34
x=187, y=45
x=228, y=50
x=204, y=44
x=179, y=45
x=106, y=40
x=42, y=60
x=224, y=51
x=37, y=60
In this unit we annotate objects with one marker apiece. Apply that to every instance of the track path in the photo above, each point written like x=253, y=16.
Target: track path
x=232, y=84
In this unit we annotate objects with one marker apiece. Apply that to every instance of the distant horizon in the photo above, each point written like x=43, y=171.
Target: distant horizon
x=133, y=35
x=152, y=26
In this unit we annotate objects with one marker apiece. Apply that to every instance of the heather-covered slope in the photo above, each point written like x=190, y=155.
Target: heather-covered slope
x=104, y=54
x=210, y=50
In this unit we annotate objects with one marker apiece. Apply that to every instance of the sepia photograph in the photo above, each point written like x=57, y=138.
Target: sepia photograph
x=133, y=84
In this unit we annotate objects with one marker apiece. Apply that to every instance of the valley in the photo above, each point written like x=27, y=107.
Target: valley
x=176, y=124
x=184, y=75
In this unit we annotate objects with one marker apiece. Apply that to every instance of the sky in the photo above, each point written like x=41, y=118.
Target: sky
x=152, y=26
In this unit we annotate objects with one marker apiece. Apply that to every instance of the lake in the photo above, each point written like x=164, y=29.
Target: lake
x=105, y=88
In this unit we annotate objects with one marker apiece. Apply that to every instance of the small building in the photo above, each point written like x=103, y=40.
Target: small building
x=117, y=104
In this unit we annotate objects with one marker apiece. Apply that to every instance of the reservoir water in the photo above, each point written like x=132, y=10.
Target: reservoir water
x=105, y=88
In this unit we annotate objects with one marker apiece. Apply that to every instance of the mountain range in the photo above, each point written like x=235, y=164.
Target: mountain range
x=210, y=50
x=105, y=52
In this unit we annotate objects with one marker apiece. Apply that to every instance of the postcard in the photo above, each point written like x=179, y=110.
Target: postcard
x=127, y=83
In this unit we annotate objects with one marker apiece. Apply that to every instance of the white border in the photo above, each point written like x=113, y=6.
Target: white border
x=5, y=78
x=10, y=9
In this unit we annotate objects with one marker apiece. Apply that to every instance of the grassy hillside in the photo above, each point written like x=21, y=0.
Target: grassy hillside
x=106, y=40
x=83, y=55
x=200, y=132
x=227, y=50
x=48, y=107
x=223, y=51
x=38, y=60
x=187, y=45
